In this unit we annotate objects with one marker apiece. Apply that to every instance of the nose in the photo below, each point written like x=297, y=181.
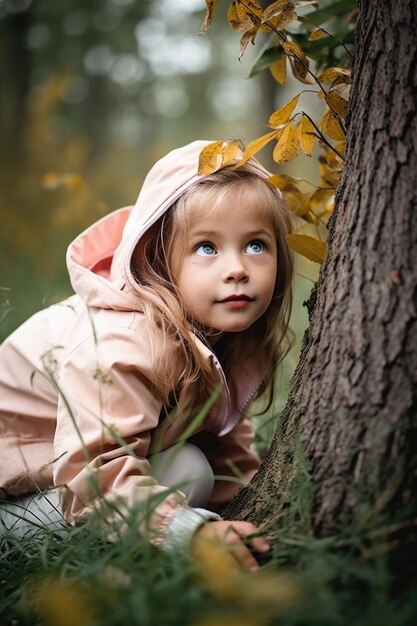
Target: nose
x=235, y=270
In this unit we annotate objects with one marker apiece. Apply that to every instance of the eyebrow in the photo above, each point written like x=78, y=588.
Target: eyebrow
x=212, y=233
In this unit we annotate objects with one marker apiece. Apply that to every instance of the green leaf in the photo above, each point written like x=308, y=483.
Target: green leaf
x=268, y=57
x=319, y=16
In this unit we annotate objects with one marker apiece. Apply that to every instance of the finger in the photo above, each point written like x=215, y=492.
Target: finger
x=245, y=530
x=260, y=544
x=243, y=555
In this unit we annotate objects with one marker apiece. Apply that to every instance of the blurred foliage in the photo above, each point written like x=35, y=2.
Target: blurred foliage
x=91, y=95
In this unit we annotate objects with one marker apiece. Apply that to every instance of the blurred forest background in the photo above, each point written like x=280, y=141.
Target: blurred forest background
x=91, y=94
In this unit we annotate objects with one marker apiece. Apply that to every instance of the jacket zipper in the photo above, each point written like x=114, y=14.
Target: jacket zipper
x=236, y=415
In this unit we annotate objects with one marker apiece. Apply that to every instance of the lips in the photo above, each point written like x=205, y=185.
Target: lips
x=237, y=298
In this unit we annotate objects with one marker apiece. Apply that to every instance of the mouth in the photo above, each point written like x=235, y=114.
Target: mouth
x=238, y=298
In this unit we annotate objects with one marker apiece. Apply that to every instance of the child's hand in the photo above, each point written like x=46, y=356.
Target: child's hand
x=232, y=535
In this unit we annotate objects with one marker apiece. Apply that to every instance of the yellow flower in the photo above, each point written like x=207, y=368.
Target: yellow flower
x=270, y=591
x=61, y=603
x=217, y=569
x=259, y=594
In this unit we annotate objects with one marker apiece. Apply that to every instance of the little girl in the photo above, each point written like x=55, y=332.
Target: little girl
x=178, y=323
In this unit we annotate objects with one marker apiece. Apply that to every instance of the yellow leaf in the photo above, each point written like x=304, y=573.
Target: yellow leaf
x=210, y=159
x=337, y=103
x=331, y=127
x=334, y=72
x=313, y=249
x=236, y=14
x=280, y=18
x=319, y=199
x=230, y=152
x=273, y=9
x=342, y=89
x=217, y=155
x=297, y=202
x=300, y=71
x=292, y=48
x=284, y=182
x=340, y=147
x=248, y=36
x=287, y=146
x=329, y=206
x=305, y=3
x=282, y=115
x=254, y=7
x=321, y=203
x=279, y=70
x=318, y=33
x=238, y=18
x=286, y=17
x=330, y=176
x=310, y=218
x=257, y=144
x=211, y=7
x=332, y=159
x=243, y=17
x=338, y=98
x=307, y=135
x=299, y=62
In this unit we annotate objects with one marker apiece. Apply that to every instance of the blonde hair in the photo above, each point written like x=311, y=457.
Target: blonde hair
x=168, y=319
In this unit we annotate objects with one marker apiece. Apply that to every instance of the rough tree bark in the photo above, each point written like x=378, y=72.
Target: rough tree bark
x=353, y=403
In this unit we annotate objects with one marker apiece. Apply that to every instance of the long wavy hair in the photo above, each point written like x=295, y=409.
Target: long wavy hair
x=169, y=322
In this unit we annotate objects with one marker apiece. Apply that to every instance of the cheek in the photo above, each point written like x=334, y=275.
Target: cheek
x=188, y=282
x=269, y=278
x=182, y=273
x=266, y=269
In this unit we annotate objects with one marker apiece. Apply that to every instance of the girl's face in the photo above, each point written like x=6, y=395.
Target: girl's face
x=225, y=271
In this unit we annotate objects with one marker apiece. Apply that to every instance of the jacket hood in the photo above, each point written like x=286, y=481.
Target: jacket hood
x=99, y=260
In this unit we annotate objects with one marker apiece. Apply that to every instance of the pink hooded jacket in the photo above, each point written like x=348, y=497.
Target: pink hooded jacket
x=77, y=381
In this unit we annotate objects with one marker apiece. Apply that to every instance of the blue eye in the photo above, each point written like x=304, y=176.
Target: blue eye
x=205, y=249
x=255, y=247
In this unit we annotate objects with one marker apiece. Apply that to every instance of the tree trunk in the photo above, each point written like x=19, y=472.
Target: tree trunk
x=347, y=436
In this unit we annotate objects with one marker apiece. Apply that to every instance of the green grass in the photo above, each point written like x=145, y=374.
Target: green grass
x=81, y=580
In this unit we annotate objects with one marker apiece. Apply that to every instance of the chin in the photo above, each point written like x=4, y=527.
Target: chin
x=237, y=329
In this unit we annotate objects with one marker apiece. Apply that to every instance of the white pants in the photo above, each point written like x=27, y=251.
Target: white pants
x=184, y=467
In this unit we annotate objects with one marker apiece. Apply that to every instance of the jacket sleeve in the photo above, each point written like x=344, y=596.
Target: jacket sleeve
x=108, y=406
x=231, y=456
